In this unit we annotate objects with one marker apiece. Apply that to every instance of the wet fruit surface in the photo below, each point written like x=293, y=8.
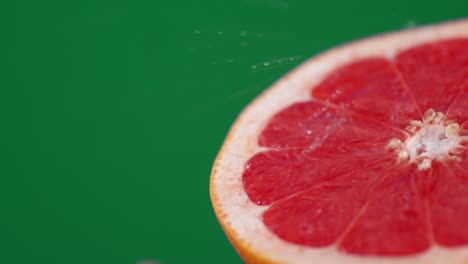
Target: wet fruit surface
x=375, y=162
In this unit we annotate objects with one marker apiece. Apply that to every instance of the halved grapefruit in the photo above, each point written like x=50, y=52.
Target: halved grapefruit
x=357, y=156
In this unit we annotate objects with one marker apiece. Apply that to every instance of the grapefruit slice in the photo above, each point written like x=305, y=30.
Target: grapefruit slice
x=357, y=156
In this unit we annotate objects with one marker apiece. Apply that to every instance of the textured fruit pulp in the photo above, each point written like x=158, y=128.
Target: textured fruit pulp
x=328, y=178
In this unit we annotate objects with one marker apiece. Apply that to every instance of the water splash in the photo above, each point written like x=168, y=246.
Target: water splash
x=277, y=62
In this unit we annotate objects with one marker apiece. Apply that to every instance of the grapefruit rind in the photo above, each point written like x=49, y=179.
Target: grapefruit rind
x=241, y=219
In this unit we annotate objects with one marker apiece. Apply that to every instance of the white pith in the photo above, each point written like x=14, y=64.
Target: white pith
x=243, y=219
x=432, y=139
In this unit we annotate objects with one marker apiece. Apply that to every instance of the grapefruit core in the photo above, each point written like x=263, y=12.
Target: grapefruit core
x=357, y=156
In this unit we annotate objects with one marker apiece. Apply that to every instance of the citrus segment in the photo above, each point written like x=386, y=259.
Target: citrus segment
x=313, y=124
x=392, y=223
x=449, y=204
x=276, y=174
x=320, y=215
x=316, y=217
x=459, y=109
x=435, y=71
x=302, y=135
x=371, y=87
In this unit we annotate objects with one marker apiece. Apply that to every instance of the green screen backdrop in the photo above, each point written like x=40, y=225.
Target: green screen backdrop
x=112, y=113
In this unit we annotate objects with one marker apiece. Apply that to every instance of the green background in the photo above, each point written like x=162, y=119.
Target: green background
x=112, y=113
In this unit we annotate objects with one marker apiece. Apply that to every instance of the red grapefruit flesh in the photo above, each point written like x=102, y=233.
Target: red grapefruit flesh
x=363, y=157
